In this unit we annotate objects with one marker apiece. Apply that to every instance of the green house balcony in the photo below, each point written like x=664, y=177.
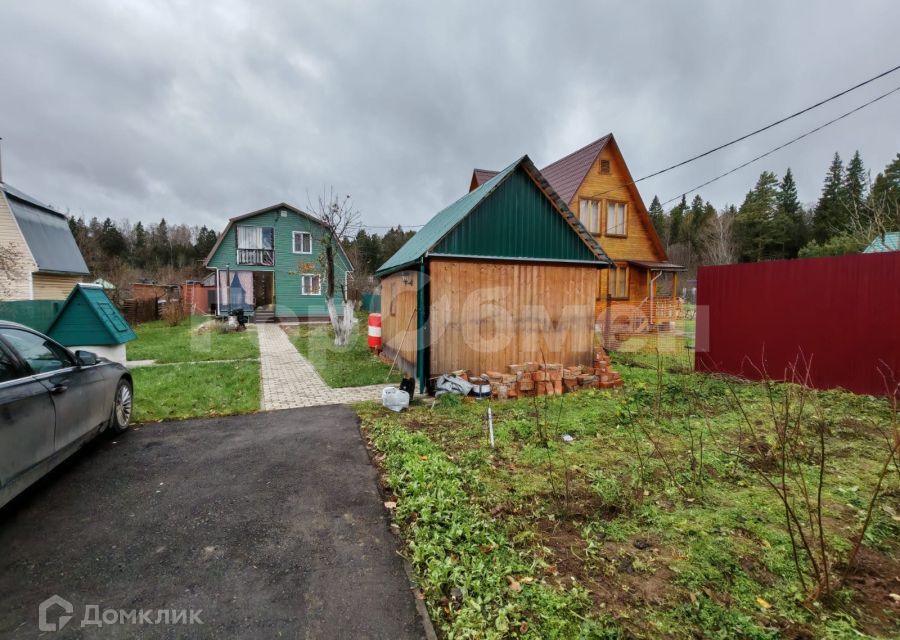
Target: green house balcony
x=256, y=257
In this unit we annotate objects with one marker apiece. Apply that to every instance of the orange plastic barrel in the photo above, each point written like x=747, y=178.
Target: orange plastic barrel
x=375, y=331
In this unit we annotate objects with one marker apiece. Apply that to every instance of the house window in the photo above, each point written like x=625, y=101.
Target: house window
x=615, y=218
x=311, y=284
x=618, y=282
x=604, y=167
x=302, y=242
x=256, y=245
x=590, y=215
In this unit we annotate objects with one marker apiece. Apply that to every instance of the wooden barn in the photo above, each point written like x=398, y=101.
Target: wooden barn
x=505, y=274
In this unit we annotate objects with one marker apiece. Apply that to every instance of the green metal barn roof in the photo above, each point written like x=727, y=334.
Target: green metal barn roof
x=522, y=218
x=88, y=317
x=887, y=242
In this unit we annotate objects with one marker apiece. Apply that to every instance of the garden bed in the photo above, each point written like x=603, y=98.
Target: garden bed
x=655, y=521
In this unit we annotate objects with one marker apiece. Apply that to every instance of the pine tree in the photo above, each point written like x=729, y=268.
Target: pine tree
x=855, y=188
x=694, y=228
x=886, y=188
x=111, y=240
x=206, y=238
x=658, y=217
x=756, y=232
x=675, y=231
x=790, y=217
x=829, y=216
x=139, y=245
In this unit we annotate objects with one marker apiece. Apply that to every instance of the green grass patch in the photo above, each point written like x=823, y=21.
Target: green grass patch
x=351, y=366
x=648, y=531
x=188, y=390
x=183, y=343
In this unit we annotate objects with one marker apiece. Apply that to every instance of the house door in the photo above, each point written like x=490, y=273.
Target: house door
x=263, y=288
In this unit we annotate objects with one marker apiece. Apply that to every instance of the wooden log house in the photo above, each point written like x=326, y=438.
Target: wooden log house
x=641, y=288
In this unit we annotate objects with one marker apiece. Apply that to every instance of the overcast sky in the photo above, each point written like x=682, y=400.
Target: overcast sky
x=198, y=111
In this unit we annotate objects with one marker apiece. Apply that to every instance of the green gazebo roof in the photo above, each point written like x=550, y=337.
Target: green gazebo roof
x=88, y=317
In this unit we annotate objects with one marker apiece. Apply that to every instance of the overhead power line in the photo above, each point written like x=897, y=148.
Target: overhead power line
x=786, y=144
x=769, y=126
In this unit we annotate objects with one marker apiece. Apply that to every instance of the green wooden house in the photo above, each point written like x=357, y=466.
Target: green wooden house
x=268, y=263
x=89, y=320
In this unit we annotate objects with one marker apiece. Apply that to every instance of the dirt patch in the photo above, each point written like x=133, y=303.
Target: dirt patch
x=618, y=576
x=877, y=575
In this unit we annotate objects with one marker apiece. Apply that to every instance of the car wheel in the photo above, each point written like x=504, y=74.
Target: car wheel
x=122, y=406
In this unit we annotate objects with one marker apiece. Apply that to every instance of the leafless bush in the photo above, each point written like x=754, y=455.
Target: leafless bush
x=789, y=445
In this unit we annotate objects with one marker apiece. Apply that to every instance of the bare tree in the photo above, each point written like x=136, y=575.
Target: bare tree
x=340, y=219
x=720, y=245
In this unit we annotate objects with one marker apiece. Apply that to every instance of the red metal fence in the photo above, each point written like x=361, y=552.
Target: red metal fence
x=840, y=314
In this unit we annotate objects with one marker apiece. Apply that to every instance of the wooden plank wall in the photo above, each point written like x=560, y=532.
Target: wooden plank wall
x=487, y=314
x=637, y=243
x=398, y=319
x=52, y=286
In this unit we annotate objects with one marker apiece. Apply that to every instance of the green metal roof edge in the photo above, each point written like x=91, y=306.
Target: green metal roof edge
x=441, y=224
x=80, y=289
x=448, y=218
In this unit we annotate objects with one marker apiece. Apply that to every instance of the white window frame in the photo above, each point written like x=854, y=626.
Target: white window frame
x=615, y=230
x=294, y=242
x=303, y=277
x=591, y=221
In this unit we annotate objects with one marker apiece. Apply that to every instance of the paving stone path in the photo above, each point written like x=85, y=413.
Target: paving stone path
x=289, y=380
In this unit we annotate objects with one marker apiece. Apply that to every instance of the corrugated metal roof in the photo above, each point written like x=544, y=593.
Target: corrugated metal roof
x=890, y=242
x=88, y=317
x=448, y=219
x=657, y=266
x=480, y=176
x=567, y=174
x=47, y=234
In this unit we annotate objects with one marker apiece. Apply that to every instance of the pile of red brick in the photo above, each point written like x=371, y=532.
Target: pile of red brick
x=547, y=379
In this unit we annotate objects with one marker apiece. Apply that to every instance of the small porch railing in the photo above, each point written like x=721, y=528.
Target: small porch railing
x=256, y=257
x=655, y=312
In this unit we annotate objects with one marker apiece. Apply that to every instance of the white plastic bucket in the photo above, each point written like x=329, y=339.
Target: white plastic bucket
x=394, y=399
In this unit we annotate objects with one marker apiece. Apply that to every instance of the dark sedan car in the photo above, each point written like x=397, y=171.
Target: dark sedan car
x=52, y=401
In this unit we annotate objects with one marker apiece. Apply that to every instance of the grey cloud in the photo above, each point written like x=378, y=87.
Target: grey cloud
x=138, y=110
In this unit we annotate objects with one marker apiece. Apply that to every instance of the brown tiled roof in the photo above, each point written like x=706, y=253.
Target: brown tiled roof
x=480, y=176
x=567, y=174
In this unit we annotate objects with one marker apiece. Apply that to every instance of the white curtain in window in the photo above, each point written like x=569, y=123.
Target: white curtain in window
x=250, y=238
x=615, y=218
x=590, y=215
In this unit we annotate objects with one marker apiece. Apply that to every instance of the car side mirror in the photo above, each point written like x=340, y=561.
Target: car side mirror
x=86, y=358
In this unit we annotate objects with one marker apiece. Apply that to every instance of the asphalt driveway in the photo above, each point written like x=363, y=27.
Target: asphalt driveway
x=268, y=525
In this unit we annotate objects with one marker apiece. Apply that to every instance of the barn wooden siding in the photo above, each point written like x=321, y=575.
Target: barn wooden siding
x=842, y=314
x=487, y=314
x=399, y=323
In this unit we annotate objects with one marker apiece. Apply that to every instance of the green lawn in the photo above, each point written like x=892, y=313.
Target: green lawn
x=195, y=390
x=656, y=521
x=160, y=342
x=351, y=366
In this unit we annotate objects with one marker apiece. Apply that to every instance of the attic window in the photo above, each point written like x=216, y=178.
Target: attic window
x=604, y=167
